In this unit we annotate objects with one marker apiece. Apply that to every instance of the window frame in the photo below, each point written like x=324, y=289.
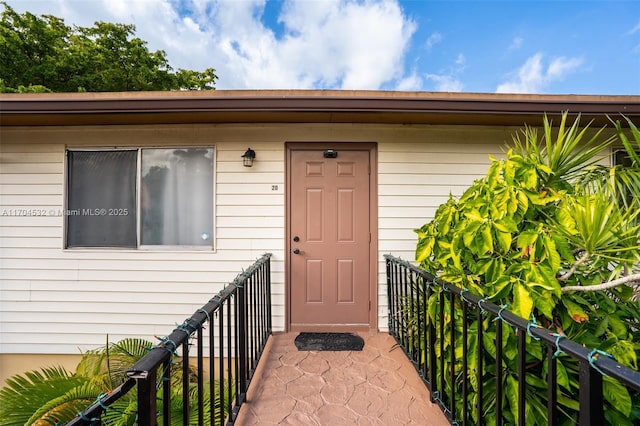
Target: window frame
x=138, y=204
x=620, y=157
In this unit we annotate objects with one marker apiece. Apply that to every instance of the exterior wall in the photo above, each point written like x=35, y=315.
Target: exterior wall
x=56, y=301
x=416, y=174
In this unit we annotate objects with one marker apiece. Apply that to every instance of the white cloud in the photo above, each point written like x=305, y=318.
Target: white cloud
x=326, y=44
x=448, y=80
x=338, y=44
x=516, y=43
x=433, y=39
x=345, y=44
x=560, y=67
x=412, y=82
x=446, y=83
x=533, y=77
x=632, y=31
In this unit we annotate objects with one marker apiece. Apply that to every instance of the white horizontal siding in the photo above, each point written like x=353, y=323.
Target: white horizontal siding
x=56, y=301
x=24, y=179
x=35, y=168
x=117, y=265
x=26, y=190
x=89, y=255
x=29, y=200
x=417, y=175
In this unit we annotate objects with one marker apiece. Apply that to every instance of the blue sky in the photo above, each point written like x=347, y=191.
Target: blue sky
x=517, y=46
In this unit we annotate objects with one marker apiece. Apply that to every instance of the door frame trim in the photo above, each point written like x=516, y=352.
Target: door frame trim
x=372, y=147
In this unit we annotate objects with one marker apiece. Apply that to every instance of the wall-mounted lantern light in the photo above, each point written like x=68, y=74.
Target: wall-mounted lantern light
x=248, y=157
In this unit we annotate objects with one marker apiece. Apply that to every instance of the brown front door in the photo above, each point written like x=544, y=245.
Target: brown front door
x=330, y=237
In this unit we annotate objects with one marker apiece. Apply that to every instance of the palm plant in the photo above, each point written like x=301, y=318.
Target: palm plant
x=52, y=396
x=621, y=182
x=44, y=397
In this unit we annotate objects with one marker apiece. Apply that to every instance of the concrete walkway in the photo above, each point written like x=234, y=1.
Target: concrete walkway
x=375, y=386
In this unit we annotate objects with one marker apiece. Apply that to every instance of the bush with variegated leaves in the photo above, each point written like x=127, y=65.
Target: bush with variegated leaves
x=553, y=236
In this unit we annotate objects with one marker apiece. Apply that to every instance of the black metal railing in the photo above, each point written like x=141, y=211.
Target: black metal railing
x=239, y=325
x=432, y=321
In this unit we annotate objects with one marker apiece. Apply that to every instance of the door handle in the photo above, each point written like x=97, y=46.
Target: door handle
x=296, y=251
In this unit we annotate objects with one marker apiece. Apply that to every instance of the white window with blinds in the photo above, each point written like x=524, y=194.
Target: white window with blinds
x=139, y=198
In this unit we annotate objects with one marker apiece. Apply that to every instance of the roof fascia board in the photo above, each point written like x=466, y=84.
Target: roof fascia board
x=292, y=103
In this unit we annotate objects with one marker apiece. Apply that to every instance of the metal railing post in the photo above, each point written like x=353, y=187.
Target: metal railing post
x=591, y=410
x=147, y=406
x=242, y=341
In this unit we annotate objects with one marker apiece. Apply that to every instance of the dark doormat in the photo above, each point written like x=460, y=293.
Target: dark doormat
x=329, y=342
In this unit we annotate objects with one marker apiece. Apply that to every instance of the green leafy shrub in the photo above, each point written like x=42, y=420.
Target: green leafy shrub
x=552, y=236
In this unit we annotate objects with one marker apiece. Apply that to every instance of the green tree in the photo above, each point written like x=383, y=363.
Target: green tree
x=41, y=53
x=552, y=236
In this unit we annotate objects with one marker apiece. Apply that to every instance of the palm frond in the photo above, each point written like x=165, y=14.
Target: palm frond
x=603, y=228
x=131, y=348
x=620, y=182
x=121, y=413
x=561, y=156
x=24, y=394
x=632, y=151
x=65, y=407
x=108, y=364
x=570, y=151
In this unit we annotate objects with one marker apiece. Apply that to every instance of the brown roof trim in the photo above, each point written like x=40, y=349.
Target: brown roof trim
x=251, y=106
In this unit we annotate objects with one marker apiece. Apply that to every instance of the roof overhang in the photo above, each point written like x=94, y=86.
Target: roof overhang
x=306, y=106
